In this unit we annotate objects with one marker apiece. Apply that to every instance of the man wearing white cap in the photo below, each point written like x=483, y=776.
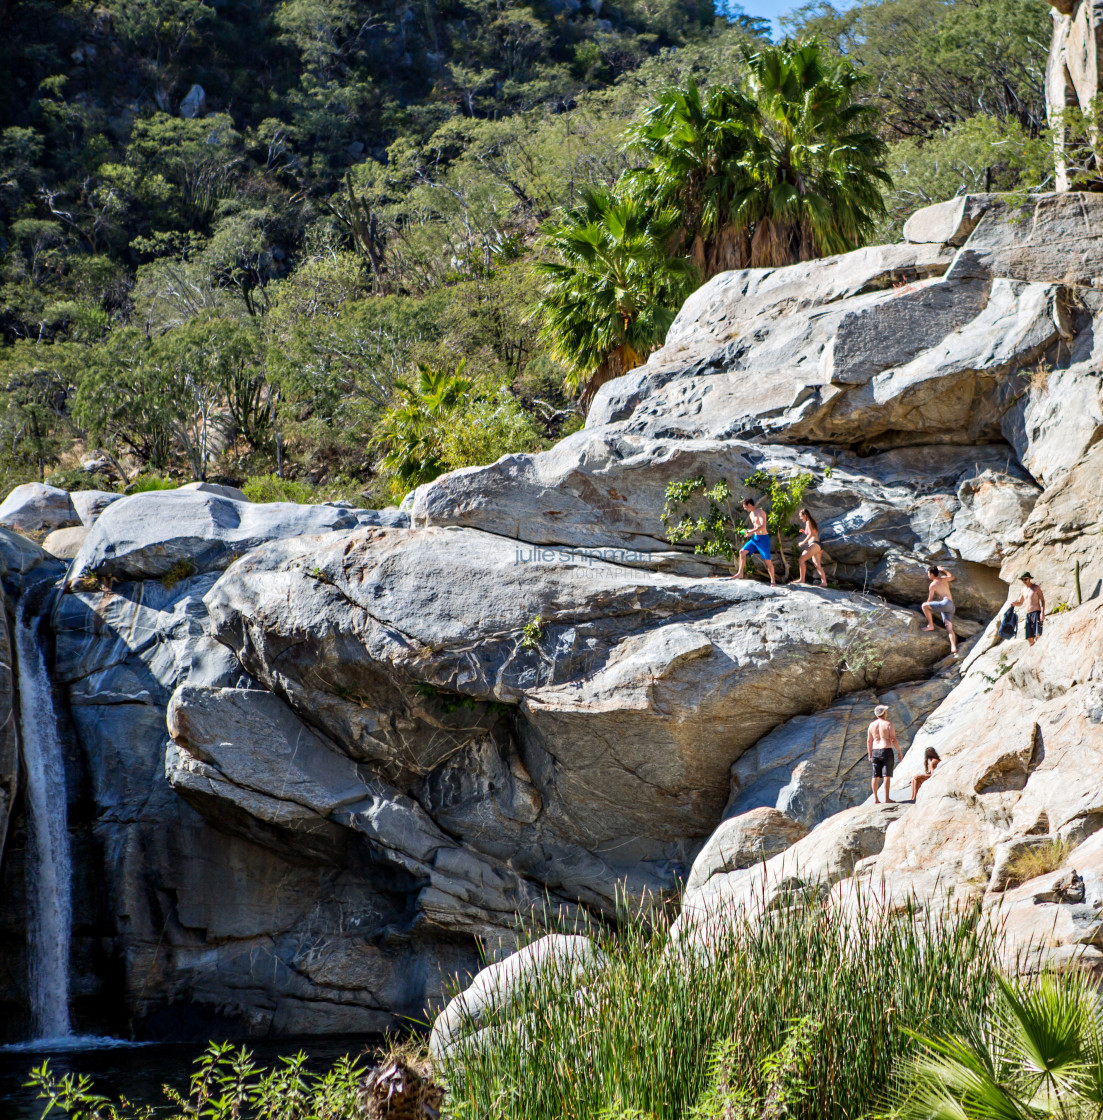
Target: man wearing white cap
x=881, y=741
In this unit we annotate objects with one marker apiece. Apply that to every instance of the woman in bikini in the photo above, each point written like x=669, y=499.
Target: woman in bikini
x=811, y=546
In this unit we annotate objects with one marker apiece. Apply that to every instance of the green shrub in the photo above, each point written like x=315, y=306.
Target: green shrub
x=811, y=1005
x=77, y=479
x=146, y=482
x=227, y=1085
x=272, y=488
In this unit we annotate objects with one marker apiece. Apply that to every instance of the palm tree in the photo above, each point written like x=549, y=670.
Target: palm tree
x=612, y=293
x=411, y=431
x=782, y=168
x=1039, y=1056
x=695, y=146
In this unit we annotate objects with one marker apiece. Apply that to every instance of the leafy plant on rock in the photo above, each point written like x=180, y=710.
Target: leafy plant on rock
x=718, y=530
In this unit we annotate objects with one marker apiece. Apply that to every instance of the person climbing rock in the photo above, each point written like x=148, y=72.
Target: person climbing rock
x=1035, y=602
x=881, y=741
x=939, y=599
x=811, y=548
x=930, y=765
x=759, y=542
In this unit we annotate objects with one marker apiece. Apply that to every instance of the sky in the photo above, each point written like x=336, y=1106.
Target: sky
x=770, y=9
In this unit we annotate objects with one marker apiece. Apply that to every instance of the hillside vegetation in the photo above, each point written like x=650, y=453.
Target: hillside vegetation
x=281, y=275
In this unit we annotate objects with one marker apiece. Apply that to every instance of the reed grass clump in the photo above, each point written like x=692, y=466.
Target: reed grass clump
x=1038, y=859
x=674, y=1030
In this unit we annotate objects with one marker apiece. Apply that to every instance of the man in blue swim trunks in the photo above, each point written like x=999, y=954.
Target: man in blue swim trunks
x=759, y=543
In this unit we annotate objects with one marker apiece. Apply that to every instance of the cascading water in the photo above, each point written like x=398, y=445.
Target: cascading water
x=49, y=917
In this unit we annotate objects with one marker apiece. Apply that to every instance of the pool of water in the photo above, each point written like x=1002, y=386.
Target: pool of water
x=138, y=1071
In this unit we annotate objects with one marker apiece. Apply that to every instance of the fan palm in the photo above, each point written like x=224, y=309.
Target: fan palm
x=611, y=294
x=410, y=433
x=1039, y=1056
x=782, y=168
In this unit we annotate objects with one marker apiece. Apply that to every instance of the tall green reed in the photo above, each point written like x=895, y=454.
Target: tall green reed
x=636, y=1039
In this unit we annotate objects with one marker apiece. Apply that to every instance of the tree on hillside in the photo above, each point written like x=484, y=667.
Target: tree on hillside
x=783, y=168
x=612, y=293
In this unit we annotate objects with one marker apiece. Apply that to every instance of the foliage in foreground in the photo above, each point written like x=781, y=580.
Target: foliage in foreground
x=226, y=1085
x=814, y=1004
x=1038, y=1054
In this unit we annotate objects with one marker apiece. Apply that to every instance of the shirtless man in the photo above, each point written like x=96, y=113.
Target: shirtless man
x=939, y=599
x=1035, y=607
x=759, y=543
x=881, y=741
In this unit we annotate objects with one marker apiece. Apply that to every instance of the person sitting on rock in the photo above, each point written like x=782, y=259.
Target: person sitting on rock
x=812, y=550
x=1035, y=603
x=881, y=741
x=759, y=542
x=930, y=765
x=939, y=599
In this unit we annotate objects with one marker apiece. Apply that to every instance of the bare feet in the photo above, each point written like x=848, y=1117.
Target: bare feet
x=926, y=628
x=889, y=801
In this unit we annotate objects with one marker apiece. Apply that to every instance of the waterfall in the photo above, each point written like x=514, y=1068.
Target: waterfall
x=49, y=915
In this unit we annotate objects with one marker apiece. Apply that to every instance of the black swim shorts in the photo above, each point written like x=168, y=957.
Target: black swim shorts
x=883, y=763
x=1034, y=624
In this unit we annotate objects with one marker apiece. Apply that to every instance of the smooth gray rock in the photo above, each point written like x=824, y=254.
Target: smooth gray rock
x=89, y=504
x=814, y=766
x=742, y=841
x=245, y=761
x=552, y=960
x=37, y=508
x=147, y=536
x=947, y=223
x=217, y=488
x=599, y=495
x=193, y=102
x=631, y=704
x=64, y=544
x=925, y=363
x=275, y=934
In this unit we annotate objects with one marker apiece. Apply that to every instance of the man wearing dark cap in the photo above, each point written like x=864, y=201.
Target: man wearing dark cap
x=1035, y=602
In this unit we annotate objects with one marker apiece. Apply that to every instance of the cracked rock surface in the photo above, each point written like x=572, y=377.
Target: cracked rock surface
x=323, y=758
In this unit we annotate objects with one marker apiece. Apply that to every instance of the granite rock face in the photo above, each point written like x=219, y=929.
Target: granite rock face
x=37, y=508
x=331, y=754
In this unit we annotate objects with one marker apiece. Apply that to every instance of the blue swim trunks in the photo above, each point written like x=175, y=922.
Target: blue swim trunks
x=760, y=544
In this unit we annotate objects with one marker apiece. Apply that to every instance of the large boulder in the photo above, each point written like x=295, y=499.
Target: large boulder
x=556, y=959
x=1060, y=541
x=281, y=921
x=64, y=544
x=741, y=842
x=1021, y=742
x=600, y=494
x=89, y=504
x=37, y=508
x=814, y=766
x=633, y=692
x=947, y=223
x=162, y=532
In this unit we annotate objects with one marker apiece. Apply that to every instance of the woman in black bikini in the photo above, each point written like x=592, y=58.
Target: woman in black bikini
x=811, y=546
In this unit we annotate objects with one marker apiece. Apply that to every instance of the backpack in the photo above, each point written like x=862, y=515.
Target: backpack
x=1009, y=627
